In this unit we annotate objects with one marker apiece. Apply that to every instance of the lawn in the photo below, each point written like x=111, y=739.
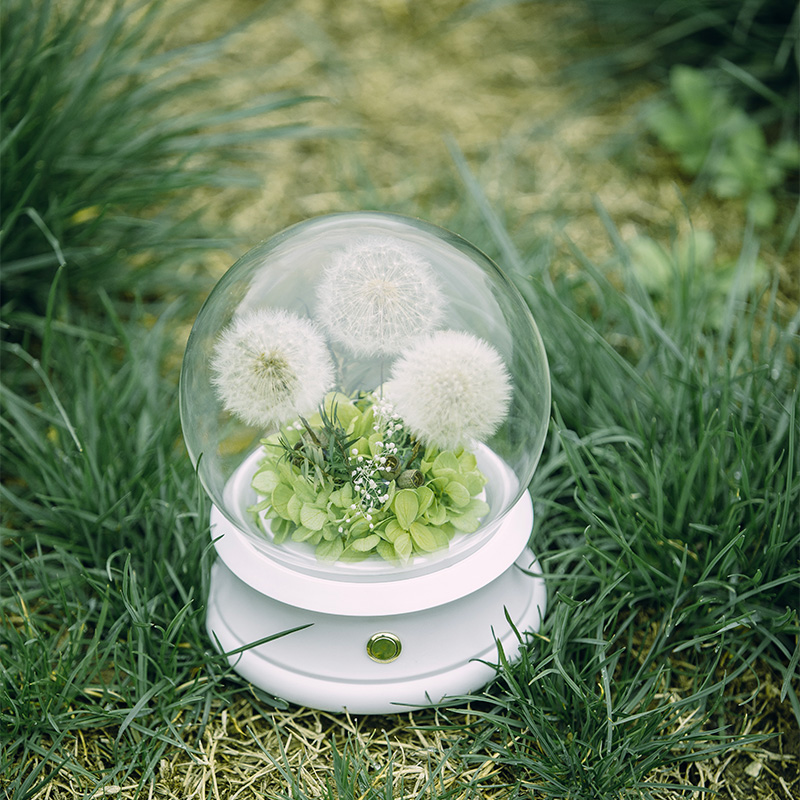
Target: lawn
x=146, y=145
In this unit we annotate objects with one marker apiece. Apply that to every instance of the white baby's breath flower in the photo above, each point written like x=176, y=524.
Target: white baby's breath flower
x=271, y=365
x=450, y=388
x=378, y=293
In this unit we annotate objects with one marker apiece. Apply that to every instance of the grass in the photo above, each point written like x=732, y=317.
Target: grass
x=667, y=523
x=102, y=622
x=674, y=568
x=104, y=134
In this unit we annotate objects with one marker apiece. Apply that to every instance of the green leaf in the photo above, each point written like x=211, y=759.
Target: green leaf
x=342, y=497
x=436, y=514
x=367, y=543
x=281, y=495
x=286, y=471
x=445, y=461
x=265, y=481
x=376, y=449
x=362, y=425
x=694, y=92
x=359, y=527
x=447, y=530
x=425, y=497
x=763, y=209
x=329, y=551
x=458, y=493
x=466, y=523
x=293, y=508
x=392, y=530
x=477, y=507
x=391, y=490
x=787, y=154
x=362, y=446
x=403, y=546
x=281, y=528
x=405, y=506
x=331, y=531
x=313, y=517
x=423, y=538
x=346, y=412
x=386, y=551
x=301, y=534
x=351, y=555
x=474, y=481
x=469, y=520
x=303, y=489
x=441, y=537
x=467, y=462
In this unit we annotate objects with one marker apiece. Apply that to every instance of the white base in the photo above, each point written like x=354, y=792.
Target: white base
x=326, y=666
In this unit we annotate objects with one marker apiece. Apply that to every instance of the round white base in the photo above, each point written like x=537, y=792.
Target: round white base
x=445, y=651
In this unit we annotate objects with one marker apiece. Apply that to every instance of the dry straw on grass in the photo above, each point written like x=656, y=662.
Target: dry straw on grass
x=246, y=752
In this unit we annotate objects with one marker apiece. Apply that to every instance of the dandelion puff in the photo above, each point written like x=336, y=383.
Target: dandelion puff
x=450, y=389
x=271, y=365
x=377, y=294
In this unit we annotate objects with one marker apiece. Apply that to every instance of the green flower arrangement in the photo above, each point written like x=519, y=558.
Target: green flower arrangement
x=352, y=481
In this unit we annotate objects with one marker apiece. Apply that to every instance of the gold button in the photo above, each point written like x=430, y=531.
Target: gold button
x=383, y=647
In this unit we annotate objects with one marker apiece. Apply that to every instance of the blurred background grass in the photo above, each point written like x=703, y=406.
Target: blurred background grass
x=532, y=94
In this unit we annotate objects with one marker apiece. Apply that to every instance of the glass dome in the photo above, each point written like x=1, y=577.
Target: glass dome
x=364, y=388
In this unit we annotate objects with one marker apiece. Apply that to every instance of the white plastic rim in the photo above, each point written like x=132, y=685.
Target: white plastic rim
x=291, y=573
x=501, y=488
x=345, y=590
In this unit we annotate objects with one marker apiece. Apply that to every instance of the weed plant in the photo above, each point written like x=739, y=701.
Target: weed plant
x=729, y=105
x=721, y=143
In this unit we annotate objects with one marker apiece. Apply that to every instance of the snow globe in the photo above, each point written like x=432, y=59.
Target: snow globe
x=365, y=397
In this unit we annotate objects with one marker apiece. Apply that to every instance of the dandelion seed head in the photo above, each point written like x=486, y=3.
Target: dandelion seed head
x=378, y=293
x=450, y=388
x=270, y=365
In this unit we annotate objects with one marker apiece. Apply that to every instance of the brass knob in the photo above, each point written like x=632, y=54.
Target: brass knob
x=383, y=647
